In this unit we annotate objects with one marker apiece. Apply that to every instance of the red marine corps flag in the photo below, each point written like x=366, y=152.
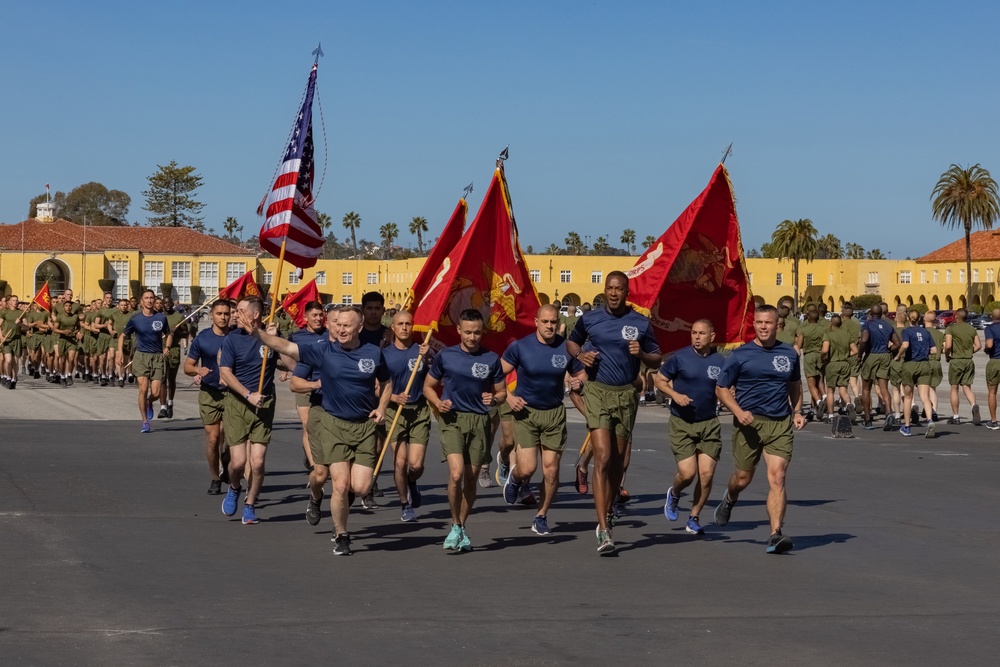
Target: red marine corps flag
x=449, y=238
x=696, y=270
x=485, y=271
x=243, y=286
x=43, y=298
x=295, y=304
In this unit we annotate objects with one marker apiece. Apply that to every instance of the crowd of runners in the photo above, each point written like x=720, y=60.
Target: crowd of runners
x=363, y=381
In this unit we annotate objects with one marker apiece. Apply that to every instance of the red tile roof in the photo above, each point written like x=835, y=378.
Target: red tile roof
x=64, y=236
x=985, y=246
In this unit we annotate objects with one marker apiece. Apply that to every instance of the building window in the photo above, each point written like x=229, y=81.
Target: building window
x=936, y=275
x=750, y=278
x=373, y=279
x=208, y=278
x=347, y=299
x=975, y=275
x=267, y=278
x=923, y=277
x=293, y=277
x=947, y=276
x=873, y=277
x=565, y=276
x=535, y=275
x=809, y=280
x=989, y=275
x=321, y=277
x=904, y=278
x=347, y=278
x=152, y=275
x=236, y=269
x=597, y=277
x=180, y=276
x=778, y=280
x=119, y=273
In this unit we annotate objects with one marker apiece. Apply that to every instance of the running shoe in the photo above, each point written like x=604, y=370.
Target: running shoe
x=231, y=500
x=526, y=497
x=868, y=425
x=65, y=382
x=905, y=430
x=215, y=488
x=313, y=511
x=145, y=428
x=890, y=423
x=342, y=545
x=12, y=385
x=930, y=430
x=723, y=510
x=377, y=492
x=540, y=525
x=163, y=413
x=131, y=379
x=368, y=502
x=623, y=495
x=934, y=416
x=976, y=421
x=454, y=537
x=852, y=414
x=670, y=507
x=821, y=409
x=605, y=545
x=503, y=470
x=511, y=488
x=955, y=420
x=149, y=412
x=121, y=382
x=485, y=481
x=104, y=382
x=915, y=416
x=581, y=481
x=993, y=426
x=779, y=544
x=415, y=498
x=170, y=412
x=694, y=527
x=249, y=516
x=408, y=515
x=464, y=544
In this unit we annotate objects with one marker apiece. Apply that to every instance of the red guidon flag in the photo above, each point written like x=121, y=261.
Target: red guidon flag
x=696, y=270
x=449, y=238
x=484, y=271
x=295, y=304
x=243, y=286
x=43, y=298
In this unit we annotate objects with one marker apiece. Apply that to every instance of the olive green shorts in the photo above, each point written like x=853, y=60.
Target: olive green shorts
x=14, y=346
x=855, y=362
x=35, y=341
x=468, y=434
x=302, y=400
x=812, y=365
x=505, y=413
x=610, y=407
x=689, y=438
x=961, y=372
x=541, y=427
x=89, y=344
x=334, y=440
x=838, y=374
x=211, y=403
x=915, y=373
x=937, y=373
x=414, y=424
x=993, y=372
x=895, y=372
x=148, y=364
x=876, y=367
x=104, y=343
x=242, y=423
x=173, y=358
x=67, y=345
x=126, y=347
x=773, y=436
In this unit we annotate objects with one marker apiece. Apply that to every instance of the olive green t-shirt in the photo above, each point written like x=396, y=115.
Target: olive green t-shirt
x=785, y=336
x=792, y=324
x=840, y=344
x=812, y=335
x=853, y=327
x=35, y=317
x=173, y=319
x=89, y=319
x=938, y=339
x=67, y=322
x=963, y=337
x=120, y=319
x=8, y=318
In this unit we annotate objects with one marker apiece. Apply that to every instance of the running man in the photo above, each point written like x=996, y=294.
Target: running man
x=12, y=325
x=878, y=341
x=314, y=331
x=377, y=334
x=119, y=318
x=809, y=339
x=623, y=340
x=852, y=326
x=178, y=331
x=993, y=367
x=937, y=371
x=148, y=360
x=473, y=382
x=961, y=341
x=915, y=354
x=539, y=417
x=202, y=363
x=838, y=353
x=761, y=384
x=688, y=379
x=66, y=327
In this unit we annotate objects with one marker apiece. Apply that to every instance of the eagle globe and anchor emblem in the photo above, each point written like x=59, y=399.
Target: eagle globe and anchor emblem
x=781, y=363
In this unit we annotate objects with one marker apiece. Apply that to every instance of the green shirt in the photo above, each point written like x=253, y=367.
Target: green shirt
x=173, y=319
x=812, y=335
x=853, y=327
x=69, y=323
x=840, y=344
x=35, y=318
x=785, y=336
x=120, y=319
x=792, y=324
x=89, y=319
x=963, y=337
x=8, y=318
x=938, y=339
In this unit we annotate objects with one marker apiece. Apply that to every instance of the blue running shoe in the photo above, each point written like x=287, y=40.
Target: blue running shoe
x=464, y=544
x=694, y=527
x=408, y=515
x=145, y=428
x=540, y=526
x=905, y=430
x=249, y=516
x=778, y=543
x=454, y=537
x=670, y=507
x=149, y=412
x=415, y=498
x=231, y=500
x=511, y=488
x=503, y=470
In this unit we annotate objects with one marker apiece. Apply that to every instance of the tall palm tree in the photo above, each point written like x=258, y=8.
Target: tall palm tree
x=389, y=233
x=418, y=226
x=352, y=221
x=324, y=221
x=966, y=198
x=649, y=241
x=574, y=244
x=796, y=240
x=628, y=239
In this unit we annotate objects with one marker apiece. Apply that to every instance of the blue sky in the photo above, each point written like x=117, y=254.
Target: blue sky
x=616, y=113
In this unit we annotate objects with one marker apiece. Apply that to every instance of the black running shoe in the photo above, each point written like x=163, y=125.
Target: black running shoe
x=724, y=510
x=215, y=488
x=121, y=382
x=104, y=382
x=342, y=545
x=170, y=412
x=312, y=511
x=65, y=382
x=163, y=414
x=779, y=544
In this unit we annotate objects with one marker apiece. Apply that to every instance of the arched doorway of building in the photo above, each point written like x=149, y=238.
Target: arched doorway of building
x=543, y=298
x=55, y=273
x=598, y=301
x=897, y=299
x=936, y=301
x=923, y=299
x=909, y=300
x=948, y=303
x=961, y=301
x=976, y=303
x=571, y=299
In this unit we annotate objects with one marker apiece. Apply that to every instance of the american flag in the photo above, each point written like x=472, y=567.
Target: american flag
x=288, y=208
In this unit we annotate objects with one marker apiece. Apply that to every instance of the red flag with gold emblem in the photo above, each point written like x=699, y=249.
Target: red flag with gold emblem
x=43, y=298
x=450, y=236
x=295, y=304
x=484, y=271
x=696, y=270
x=243, y=286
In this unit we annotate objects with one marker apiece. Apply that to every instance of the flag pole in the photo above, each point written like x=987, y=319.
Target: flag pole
x=270, y=316
x=586, y=442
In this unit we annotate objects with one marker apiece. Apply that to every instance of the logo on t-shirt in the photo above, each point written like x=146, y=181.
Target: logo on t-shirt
x=366, y=365
x=480, y=371
x=782, y=364
x=559, y=360
x=157, y=325
x=713, y=372
x=630, y=333
x=264, y=349
x=412, y=363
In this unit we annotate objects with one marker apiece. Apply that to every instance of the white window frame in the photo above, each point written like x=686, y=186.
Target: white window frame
x=347, y=299
x=923, y=277
x=321, y=277
x=208, y=279
x=535, y=275
x=234, y=270
x=293, y=278
x=373, y=278
x=120, y=274
x=566, y=276
x=152, y=275
x=778, y=279
x=180, y=276
x=905, y=277
x=809, y=280
x=347, y=278
x=597, y=277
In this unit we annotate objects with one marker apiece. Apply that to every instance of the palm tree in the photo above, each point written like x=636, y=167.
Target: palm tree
x=601, y=246
x=352, y=221
x=574, y=244
x=796, y=240
x=324, y=221
x=649, y=241
x=389, y=232
x=418, y=226
x=854, y=251
x=966, y=198
x=628, y=239
x=874, y=253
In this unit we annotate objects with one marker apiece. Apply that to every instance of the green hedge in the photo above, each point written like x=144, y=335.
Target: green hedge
x=865, y=301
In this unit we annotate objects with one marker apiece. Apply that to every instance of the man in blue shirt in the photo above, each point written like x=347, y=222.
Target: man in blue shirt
x=993, y=367
x=314, y=331
x=471, y=379
x=539, y=417
x=623, y=340
x=202, y=364
x=915, y=354
x=248, y=414
x=151, y=350
x=688, y=379
x=761, y=384
x=343, y=442
x=878, y=341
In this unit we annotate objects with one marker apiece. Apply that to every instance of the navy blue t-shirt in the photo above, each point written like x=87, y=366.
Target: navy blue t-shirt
x=466, y=376
x=401, y=364
x=610, y=336
x=761, y=376
x=204, y=350
x=348, y=376
x=694, y=376
x=541, y=369
x=993, y=333
x=920, y=343
x=243, y=355
x=306, y=337
x=373, y=337
x=879, y=334
x=149, y=331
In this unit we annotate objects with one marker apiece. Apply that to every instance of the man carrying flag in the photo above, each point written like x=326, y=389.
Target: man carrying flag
x=11, y=340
